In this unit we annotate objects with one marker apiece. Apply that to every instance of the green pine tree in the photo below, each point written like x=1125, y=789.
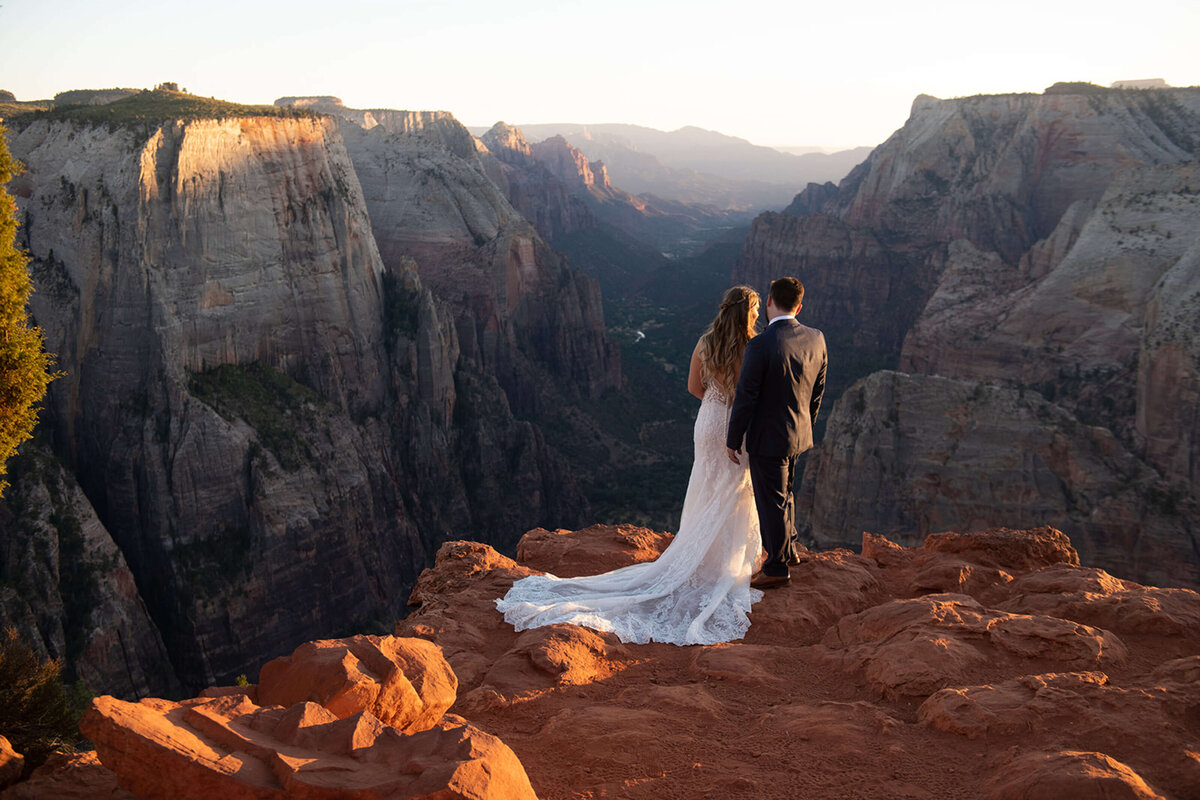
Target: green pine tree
x=37, y=714
x=24, y=363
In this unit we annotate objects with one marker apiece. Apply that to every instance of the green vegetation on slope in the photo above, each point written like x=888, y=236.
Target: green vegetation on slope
x=279, y=409
x=37, y=713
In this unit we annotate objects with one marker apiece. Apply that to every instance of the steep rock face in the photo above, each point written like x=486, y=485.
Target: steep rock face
x=275, y=426
x=910, y=455
x=1168, y=373
x=435, y=127
x=1074, y=319
x=522, y=315
x=591, y=228
x=1025, y=240
x=571, y=166
x=541, y=196
x=68, y=588
x=999, y=172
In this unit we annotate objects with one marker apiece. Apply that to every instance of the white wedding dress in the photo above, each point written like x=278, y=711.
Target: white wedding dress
x=698, y=591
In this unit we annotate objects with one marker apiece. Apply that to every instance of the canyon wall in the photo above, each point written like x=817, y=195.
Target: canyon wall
x=526, y=318
x=1044, y=245
x=274, y=425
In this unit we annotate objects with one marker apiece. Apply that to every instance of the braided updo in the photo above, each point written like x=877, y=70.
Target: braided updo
x=724, y=341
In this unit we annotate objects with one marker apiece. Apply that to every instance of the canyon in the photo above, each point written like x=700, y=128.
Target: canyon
x=268, y=419
x=304, y=346
x=1012, y=282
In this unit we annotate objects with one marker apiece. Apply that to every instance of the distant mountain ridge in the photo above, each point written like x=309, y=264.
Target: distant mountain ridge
x=694, y=165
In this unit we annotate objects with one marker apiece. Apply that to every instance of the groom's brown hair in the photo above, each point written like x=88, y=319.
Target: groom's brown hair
x=788, y=293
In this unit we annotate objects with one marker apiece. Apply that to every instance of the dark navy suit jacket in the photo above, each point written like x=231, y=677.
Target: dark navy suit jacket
x=779, y=391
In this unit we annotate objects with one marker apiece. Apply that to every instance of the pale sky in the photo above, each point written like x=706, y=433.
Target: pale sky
x=776, y=72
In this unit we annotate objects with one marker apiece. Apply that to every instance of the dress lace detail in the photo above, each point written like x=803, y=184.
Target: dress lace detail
x=698, y=591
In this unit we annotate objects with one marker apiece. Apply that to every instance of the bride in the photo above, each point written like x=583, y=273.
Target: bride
x=698, y=591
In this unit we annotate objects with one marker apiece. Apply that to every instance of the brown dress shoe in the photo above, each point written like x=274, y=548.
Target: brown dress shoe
x=760, y=581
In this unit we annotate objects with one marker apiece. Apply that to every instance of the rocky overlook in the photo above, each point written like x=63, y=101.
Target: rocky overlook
x=1043, y=247
x=986, y=665
x=265, y=428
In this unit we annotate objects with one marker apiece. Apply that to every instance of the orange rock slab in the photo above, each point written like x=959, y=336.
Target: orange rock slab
x=599, y=548
x=403, y=682
x=228, y=747
x=69, y=776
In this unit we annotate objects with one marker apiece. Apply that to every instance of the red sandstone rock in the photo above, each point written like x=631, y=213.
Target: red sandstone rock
x=1001, y=547
x=69, y=776
x=1026, y=657
x=12, y=763
x=823, y=589
x=557, y=655
x=405, y=683
x=1029, y=704
x=914, y=647
x=1094, y=597
x=230, y=748
x=457, y=599
x=593, y=550
x=1070, y=774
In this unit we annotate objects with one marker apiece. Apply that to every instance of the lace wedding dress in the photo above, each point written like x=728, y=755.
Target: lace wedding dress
x=698, y=591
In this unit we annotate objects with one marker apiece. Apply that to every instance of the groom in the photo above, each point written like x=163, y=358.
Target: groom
x=778, y=397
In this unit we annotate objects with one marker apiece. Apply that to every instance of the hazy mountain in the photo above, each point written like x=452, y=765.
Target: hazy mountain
x=694, y=165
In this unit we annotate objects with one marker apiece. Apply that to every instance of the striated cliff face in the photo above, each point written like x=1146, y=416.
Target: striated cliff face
x=68, y=588
x=922, y=454
x=572, y=166
x=1028, y=241
x=275, y=425
x=998, y=172
x=521, y=314
x=542, y=197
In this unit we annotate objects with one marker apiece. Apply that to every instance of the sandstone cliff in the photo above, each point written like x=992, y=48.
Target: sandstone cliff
x=911, y=455
x=67, y=586
x=542, y=196
x=526, y=318
x=555, y=188
x=1028, y=241
x=275, y=425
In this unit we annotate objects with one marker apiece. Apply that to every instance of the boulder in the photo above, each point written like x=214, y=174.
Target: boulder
x=1070, y=773
x=405, y=683
x=69, y=776
x=230, y=748
x=599, y=548
x=915, y=647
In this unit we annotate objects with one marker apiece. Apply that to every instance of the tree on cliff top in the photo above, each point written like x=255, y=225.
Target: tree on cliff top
x=24, y=363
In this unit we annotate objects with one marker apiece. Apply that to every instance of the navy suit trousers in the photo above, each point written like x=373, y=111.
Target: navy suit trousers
x=772, y=479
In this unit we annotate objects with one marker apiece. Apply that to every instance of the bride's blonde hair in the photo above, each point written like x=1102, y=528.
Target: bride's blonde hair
x=724, y=341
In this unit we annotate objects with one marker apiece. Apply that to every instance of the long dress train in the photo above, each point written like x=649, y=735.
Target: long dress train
x=698, y=591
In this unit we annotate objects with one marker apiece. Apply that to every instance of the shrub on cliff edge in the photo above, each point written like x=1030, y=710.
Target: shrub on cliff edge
x=24, y=364
x=36, y=711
